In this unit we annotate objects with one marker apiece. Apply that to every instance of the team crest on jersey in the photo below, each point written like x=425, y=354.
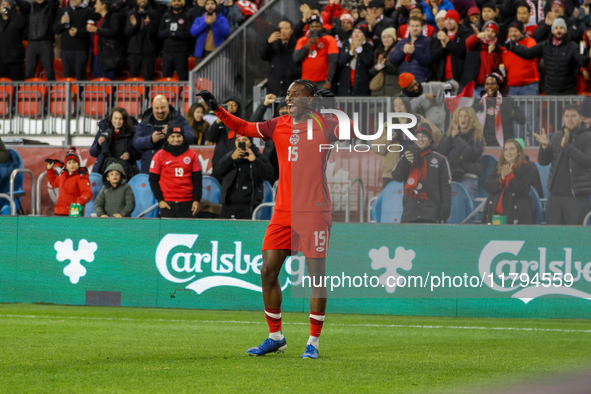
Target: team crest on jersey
x=320, y=45
x=187, y=160
x=294, y=139
x=181, y=21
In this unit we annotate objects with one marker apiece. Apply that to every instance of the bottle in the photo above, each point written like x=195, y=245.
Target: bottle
x=67, y=24
x=502, y=70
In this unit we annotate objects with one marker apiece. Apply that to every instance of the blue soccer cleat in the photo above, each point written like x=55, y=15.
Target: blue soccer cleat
x=269, y=346
x=311, y=352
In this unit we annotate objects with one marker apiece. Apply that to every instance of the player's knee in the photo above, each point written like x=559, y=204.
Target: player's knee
x=268, y=275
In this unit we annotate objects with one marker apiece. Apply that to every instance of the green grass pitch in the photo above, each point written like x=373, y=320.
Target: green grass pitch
x=70, y=349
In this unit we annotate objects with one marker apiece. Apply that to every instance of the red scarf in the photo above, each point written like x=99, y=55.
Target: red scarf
x=504, y=185
x=555, y=42
x=417, y=177
x=496, y=111
x=487, y=42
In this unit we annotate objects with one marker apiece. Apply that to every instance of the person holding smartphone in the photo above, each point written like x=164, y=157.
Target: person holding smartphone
x=427, y=181
x=243, y=172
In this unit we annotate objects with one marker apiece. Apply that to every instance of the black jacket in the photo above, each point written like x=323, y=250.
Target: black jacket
x=282, y=68
x=464, y=154
x=438, y=187
x=218, y=134
x=364, y=63
x=228, y=170
x=41, y=20
x=123, y=143
x=376, y=34
x=578, y=151
x=517, y=204
x=543, y=31
x=457, y=49
x=270, y=152
x=561, y=63
x=143, y=40
x=175, y=30
x=78, y=18
x=11, y=38
x=111, y=42
x=510, y=113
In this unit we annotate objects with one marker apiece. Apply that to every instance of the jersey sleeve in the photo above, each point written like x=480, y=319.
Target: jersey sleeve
x=196, y=166
x=331, y=133
x=332, y=46
x=156, y=164
x=262, y=130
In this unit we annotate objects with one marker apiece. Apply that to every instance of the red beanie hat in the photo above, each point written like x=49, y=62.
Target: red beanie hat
x=453, y=14
x=405, y=79
x=491, y=25
x=72, y=155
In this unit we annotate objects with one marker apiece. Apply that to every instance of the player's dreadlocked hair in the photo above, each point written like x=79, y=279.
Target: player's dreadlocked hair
x=312, y=88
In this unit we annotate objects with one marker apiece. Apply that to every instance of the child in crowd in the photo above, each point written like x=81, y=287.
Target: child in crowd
x=73, y=183
x=116, y=199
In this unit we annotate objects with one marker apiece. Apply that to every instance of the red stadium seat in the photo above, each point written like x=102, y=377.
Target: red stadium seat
x=202, y=84
x=97, y=98
x=6, y=93
x=58, y=96
x=170, y=92
x=131, y=97
x=31, y=98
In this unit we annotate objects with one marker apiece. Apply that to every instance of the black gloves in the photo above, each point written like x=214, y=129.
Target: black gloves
x=209, y=99
x=510, y=45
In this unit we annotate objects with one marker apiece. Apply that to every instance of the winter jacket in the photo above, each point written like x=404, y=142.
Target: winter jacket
x=481, y=62
x=537, y=182
x=73, y=189
x=259, y=171
x=464, y=154
x=331, y=11
x=578, y=151
x=41, y=20
x=560, y=63
x=200, y=29
x=12, y=50
x=517, y=204
x=175, y=30
x=123, y=143
x=112, y=200
x=544, y=31
x=222, y=136
x=233, y=15
x=79, y=16
x=455, y=48
x=111, y=42
x=437, y=207
x=282, y=69
x=269, y=151
x=521, y=71
x=420, y=64
x=508, y=107
x=379, y=28
x=434, y=109
x=143, y=40
x=142, y=139
x=444, y=5
x=391, y=86
x=364, y=63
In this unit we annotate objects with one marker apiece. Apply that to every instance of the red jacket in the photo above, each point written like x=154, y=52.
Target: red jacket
x=489, y=62
x=520, y=71
x=73, y=188
x=332, y=11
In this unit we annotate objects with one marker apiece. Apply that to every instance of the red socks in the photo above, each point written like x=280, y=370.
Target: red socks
x=316, y=322
x=273, y=319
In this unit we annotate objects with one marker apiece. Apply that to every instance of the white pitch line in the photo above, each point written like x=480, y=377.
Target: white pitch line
x=328, y=324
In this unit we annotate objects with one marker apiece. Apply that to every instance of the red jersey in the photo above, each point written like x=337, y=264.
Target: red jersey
x=301, y=162
x=315, y=65
x=175, y=174
x=248, y=8
x=403, y=32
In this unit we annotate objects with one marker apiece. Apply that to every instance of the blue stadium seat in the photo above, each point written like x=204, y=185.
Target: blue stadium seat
x=212, y=191
x=388, y=206
x=538, y=212
x=14, y=162
x=544, y=173
x=144, y=198
x=267, y=212
x=96, y=184
x=461, y=203
x=488, y=162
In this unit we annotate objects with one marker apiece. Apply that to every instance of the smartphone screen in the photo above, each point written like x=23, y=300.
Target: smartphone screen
x=242, y=145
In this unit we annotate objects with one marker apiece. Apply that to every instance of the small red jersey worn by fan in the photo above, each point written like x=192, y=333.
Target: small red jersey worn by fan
x=73, y=188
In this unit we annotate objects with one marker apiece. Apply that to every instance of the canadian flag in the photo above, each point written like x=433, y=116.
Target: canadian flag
x=464, y=99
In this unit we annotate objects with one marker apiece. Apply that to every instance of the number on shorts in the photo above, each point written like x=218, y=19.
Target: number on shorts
x=178, y=171
x=319, y=238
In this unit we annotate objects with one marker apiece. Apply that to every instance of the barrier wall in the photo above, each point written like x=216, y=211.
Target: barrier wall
x=216, y=265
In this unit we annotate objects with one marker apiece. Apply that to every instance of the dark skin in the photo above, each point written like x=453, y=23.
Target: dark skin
x=297, y=98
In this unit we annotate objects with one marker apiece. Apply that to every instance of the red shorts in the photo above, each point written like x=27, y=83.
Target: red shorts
x=306, y=232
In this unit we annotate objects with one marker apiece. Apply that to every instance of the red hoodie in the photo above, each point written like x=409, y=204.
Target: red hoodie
x=489, y=62
x=73, y=188
x=521, y=71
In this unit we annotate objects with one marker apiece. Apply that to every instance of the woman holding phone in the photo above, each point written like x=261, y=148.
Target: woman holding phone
x=243, y=172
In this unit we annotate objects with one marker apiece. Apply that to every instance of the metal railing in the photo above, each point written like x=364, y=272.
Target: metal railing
x=587, y=218
x=361, y=200
x=261, y=206
x=147, y=211
x=38, y=192
x=12, y=179
x=11, y=202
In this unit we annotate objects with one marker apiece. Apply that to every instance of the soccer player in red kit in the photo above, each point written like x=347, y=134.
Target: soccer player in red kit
x=303, y=165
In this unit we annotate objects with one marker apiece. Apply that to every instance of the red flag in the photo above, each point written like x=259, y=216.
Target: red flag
x=464, y=99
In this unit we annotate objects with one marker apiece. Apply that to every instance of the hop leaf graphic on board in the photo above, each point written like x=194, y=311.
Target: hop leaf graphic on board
x=380, y=258
x=65, y=251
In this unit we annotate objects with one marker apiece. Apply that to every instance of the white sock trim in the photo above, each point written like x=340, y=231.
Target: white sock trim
x=273, y=315
x=276, y=336
x=314, y=341
x=317, y=317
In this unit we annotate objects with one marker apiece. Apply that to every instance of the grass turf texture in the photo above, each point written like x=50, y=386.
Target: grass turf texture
x=48, y=348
